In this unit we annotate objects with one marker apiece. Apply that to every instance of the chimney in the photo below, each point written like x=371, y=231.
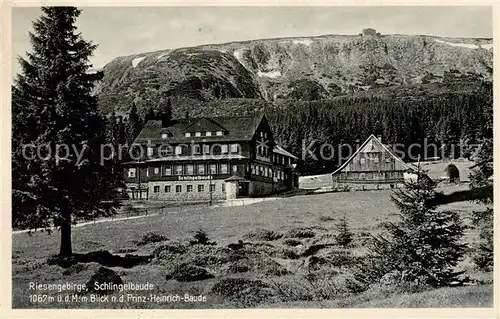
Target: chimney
x=379, y=137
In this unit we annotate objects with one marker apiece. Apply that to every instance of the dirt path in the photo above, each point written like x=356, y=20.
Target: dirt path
x=103, y=220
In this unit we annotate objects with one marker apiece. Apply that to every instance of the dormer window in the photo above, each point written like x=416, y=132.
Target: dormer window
x=219, y=133
x=209, y=133
x=187, y=134
x=197, y=134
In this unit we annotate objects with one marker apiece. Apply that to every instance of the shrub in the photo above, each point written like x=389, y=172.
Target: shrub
x=344, y=237
x=326, y=218
x=300, y=233
x=166, y=250
x=74, y=269
x=315, y=262
x=263, y=235
x=149, y=238
x=242, y=265
x=483, y=249
x=292, y=242
x=201, y=238
x=342, y=259
x=246, y=292
x=313, y=249
x=188, y=272
x=101, y=276
x=284, y=253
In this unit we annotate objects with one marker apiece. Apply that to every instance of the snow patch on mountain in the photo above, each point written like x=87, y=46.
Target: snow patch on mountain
x=462, y=45
x=136, y=61
x=487, y=46
x=270, y=74
x=238, y=54
x=305, y=42
x=162, y=55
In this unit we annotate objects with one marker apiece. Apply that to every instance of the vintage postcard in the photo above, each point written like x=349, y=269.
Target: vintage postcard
x=256, y=157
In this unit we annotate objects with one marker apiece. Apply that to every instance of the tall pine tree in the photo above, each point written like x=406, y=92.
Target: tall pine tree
x=53, y=105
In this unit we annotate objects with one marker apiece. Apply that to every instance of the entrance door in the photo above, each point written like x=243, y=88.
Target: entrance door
x=243, y=189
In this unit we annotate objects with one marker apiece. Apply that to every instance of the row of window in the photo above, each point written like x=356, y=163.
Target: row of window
x=374, y=159
x=196, y=149
x=189, y=188
x=187, y=169
x=195, y=134
x=261, y=170
x=371, y=175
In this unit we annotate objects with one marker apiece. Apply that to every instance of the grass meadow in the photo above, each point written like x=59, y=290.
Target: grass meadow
x=276, y=267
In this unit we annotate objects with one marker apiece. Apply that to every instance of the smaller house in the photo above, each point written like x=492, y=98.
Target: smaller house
x=372, y=166
x=369, y=32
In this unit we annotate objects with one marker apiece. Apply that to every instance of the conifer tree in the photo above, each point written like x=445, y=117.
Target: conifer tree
x=134, y=125
x=53, y=105
x=425, y=244
x=344, y=237
x=482, y=186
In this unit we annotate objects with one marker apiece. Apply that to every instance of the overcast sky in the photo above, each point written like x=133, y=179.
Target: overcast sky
x=123, y=31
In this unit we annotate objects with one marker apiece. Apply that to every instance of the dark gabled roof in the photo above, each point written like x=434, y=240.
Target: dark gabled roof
x=373, y=138
x=280, y=150
x=204, y=124
x=236, y=129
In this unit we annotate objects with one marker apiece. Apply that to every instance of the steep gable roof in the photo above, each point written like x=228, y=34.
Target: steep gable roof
x=236, y=129
x=203, y=125
x=373, y=144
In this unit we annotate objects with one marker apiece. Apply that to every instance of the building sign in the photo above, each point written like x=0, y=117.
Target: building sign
x=194, y=178
x=263, y=159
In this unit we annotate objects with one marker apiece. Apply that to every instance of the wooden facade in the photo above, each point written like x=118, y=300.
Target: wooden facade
x=372, y=166
x=200, y=159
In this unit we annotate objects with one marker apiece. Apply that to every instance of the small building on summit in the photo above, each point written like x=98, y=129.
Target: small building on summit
x=369, y=32
x=209, y=158
x=372, y=166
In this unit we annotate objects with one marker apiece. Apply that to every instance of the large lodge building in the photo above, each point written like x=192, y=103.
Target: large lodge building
x=209, y=158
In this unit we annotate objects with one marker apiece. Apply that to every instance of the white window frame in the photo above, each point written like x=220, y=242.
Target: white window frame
x=196, y=149
x=177, y=171
x=157, y=170
x=224, y=149
x=178, y=150
x=150, y=151
x=212, y=171
x=187, y=134
x=208, y=133
x=189, y=169
x=223, y=168
x=177, y=187
x=168, y=170
x=132, y=172
x=164, y=135
x=197, y=134
x=219, y=133
x=202, y=170
x=189, y=188
x=206, y=149
x=234, y=148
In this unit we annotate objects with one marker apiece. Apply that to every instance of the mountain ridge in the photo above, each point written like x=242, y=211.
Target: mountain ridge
x=299, y=68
